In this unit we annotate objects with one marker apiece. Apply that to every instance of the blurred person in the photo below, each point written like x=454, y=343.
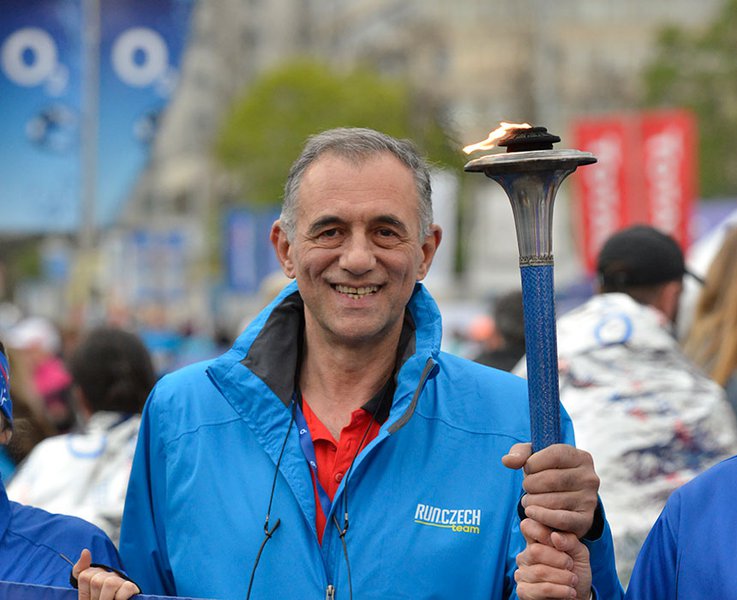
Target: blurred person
x=481, y=332
x=700, y=255
x=505, y=345
x=651, y=419
x=35, y=545
x=85, y=473
x=39, y=341
x=313, y=458
x=690, y=551
x=30, y=418
x=712, y=339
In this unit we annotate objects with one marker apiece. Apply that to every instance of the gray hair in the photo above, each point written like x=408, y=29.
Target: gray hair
x=356, y=144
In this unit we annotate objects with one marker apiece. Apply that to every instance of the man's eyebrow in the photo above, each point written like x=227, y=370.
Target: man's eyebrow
x=390, y=220
x=316, y=226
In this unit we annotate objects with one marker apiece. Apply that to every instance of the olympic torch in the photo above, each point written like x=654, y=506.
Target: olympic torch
x=530, y=172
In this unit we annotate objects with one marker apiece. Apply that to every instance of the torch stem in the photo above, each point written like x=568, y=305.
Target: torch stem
x=541, y=354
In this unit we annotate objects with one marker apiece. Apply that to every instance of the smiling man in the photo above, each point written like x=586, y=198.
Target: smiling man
x=335, y=450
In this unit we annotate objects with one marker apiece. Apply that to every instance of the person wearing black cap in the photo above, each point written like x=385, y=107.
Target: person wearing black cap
x=36, y=546
x=650, y=418
x=645, y=264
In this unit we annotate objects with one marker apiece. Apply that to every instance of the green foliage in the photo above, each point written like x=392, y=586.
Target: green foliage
x=266, y=129
x=699, y=72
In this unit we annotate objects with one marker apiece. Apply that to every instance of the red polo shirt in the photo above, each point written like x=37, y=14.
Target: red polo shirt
x=334, y=458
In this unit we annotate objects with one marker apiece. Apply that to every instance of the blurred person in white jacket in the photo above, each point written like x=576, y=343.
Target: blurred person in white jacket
x=651, y=418
x=85, y=473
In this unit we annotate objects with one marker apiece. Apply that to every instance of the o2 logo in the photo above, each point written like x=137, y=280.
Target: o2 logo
x=29, y=58
x=139, y=58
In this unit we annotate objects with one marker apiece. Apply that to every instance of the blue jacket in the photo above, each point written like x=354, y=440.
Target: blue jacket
x=32, y=542
x=432, y=510
x=691, y=549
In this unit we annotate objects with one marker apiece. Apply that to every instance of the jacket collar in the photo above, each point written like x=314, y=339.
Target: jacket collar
x=257, y=375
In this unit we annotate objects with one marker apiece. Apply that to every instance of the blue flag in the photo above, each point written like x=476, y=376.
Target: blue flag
x=40, y=87
x=141, y=44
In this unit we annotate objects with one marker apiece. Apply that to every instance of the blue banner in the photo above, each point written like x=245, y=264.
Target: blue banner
x=250, y=256
x=141, y=46
x=24, y=591
x=41, y=88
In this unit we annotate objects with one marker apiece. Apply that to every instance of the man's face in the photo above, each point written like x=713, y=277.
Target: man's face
x=357, y=251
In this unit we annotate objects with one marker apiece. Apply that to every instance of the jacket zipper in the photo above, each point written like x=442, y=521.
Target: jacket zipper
x=429, y=366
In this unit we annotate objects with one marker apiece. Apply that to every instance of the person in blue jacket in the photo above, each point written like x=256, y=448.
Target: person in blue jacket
x=36, y=546
x=334, y=451
x=690, y=551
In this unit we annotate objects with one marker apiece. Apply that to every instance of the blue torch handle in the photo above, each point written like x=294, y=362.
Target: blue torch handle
x=542, y=355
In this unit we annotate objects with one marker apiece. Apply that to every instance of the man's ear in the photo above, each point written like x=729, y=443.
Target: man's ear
x=282, y=247
x=429, y=247
x=669, y=297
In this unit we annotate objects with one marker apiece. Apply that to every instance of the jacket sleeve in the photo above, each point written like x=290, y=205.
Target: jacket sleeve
x=516, y=544
x=103, y=550
x=143, y=547
x=604, y=576
x=654, y=575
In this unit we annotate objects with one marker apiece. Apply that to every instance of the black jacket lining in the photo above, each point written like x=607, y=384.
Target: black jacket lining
x=275, y=355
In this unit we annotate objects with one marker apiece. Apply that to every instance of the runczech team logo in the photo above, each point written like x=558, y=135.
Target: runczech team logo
x=459, y=520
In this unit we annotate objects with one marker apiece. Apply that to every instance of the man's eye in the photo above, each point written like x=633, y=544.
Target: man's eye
x=387, y=233
x=331, y=236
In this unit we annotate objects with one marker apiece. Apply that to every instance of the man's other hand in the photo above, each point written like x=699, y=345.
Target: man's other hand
x=561, y=484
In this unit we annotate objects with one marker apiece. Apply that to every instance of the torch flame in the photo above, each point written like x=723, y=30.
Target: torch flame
x=496, y=135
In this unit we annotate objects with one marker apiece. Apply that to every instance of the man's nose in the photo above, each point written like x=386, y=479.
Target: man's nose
x=358, y=254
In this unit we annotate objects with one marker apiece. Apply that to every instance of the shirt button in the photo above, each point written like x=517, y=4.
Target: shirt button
x=338, y=477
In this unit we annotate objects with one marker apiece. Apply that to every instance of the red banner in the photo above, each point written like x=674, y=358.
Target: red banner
x=645, y=174
x=668, y=144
